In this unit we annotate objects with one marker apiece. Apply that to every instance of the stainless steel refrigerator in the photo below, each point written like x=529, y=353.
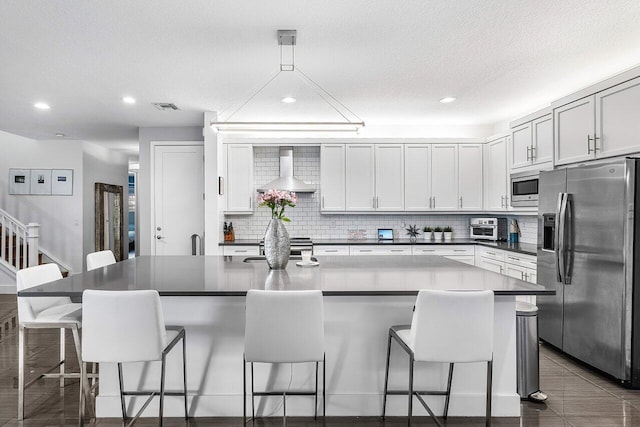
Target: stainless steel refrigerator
x=586, y=253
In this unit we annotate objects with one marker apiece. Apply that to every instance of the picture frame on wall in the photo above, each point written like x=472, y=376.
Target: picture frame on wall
x=19, y=181
x=62, y=182
x=41, y=182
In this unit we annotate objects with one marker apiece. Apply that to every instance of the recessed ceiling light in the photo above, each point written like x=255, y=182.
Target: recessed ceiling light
x=41, y=106
x=288, y=100
x=128, y=100
x=60, y=135
x=448, y=99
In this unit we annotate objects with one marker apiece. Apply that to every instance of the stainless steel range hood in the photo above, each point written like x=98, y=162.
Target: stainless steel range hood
x=287, y=181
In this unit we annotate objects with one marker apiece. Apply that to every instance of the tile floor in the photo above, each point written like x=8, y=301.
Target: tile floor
x=577, y=396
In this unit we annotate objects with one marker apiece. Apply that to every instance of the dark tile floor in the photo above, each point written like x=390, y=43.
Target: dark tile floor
x=577, y=396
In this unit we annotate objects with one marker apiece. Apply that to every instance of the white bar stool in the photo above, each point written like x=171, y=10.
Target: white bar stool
x=284, y=327
x=447, y=326
x=45, y=313
x=100, y=259
x=128, y=326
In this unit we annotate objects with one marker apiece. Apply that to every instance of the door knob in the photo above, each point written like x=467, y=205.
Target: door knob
x=158, y=237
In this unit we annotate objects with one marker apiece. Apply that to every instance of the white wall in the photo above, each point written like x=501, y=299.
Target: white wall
x=60, y=217
x=146, y=136
x=109, y=167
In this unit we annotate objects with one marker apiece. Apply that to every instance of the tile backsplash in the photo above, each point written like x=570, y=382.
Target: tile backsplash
x=307, y=221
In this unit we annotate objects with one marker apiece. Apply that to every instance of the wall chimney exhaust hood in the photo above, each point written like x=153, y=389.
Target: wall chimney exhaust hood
x=287, y=181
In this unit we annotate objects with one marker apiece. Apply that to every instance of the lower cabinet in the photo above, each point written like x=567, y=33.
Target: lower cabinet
x=331, y=250
x=519, y=266
x=249, y=250
x=461, y=253
x=380, y=250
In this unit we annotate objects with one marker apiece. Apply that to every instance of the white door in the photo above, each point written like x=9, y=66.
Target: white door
x=444, y=176
x=574, y=128
x=417, y=177
x=360, y=188
x=389, y=177
x=521, y=138
x=240, y=193
x=496, y=175
x=543, y=139
x=617, y=119
x=178, y=198
x=470, y=176
x=332, y=177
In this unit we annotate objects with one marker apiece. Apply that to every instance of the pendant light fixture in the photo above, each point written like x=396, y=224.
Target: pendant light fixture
x=287, y=42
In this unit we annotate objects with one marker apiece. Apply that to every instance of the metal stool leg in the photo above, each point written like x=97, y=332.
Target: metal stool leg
x=163, y=369
x=386, y=378
x=122, y=400
x=411, y=363
x=20, y=373
x=244, y=389
x=62, y=356
x=184, y=374
x=324, y=385
x=489, y=388
x=446, y=399
x=253, y=410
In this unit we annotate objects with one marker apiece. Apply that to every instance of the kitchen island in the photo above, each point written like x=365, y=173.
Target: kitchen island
x=363, y=297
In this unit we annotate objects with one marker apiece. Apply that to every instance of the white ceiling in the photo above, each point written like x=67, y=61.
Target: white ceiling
x=390, y=61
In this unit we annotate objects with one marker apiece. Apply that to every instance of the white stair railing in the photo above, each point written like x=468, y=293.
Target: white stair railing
x=19, y=247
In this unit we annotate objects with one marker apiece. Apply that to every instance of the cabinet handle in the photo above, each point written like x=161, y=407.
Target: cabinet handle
x=377, y=202
x=515, y=259
x=491, y=253
x=429, y=202
x=460, y=202
x=533, y=156
x=397, y=250
x=595, y=143
x=322, y=202
x=434, y=202
x=502, y=201
x=366, y=250
x=374, y=202
x=589, y=139
x=239, y=252
x=250, y=202
x=331, y=250
x=525, y=277
x=528, y=147
x=500, y=269
x=506, y=202
x=459, y=250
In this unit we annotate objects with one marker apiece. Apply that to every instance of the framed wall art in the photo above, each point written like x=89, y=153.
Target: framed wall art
x=19, y=181
x=62, y=182
x=41, y=182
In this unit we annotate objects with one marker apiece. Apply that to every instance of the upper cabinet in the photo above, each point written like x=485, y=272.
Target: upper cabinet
x=602, y=124
x=332, y=177
x=496, y=195
x=532, y=142
x=360, y=177
x=389, y=185
x=444, y=177
x=470, y=184
x=240, y=191
x=417, y=177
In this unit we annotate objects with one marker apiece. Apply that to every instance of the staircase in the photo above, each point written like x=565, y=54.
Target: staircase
x=19, y=246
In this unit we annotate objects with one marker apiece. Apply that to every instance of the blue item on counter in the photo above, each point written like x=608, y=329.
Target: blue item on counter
x=513, y=237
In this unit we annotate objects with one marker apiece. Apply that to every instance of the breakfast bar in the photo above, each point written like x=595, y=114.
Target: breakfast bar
x=363, y=297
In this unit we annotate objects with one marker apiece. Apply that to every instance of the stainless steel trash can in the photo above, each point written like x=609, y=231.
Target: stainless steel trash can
x=527, y=352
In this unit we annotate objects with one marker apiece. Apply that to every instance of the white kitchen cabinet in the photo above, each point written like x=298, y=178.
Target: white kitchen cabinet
x=492, y=265
x=240, y=193
x=417, y=177
x=360, y=177
x=380, y=250
x=574, y=127
x=496, y=196
x=617, y=124
x=604, y=124
x=461, y=253
x=470, y=177
x=331, y=250
x=332, y=177
x=532, y=144
x=238, y=250
x=389, y=177
x=444, y=177
x=467, y=259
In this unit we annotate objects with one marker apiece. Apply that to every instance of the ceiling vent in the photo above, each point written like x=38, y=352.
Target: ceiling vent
x=164, y=106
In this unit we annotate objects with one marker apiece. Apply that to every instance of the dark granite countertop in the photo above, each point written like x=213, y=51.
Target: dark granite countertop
x=335, y=275
x=523, y=248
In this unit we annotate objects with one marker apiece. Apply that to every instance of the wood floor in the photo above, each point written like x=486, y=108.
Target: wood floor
x=577, y=396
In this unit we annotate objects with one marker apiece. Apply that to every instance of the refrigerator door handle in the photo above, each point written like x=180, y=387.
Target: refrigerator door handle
x=567, y=231
x=558, y=238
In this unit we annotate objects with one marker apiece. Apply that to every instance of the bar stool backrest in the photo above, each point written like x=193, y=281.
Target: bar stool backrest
x=122, y=326
x=29, y=308
x=100, y=259
x=452, y=326
x=284, y=326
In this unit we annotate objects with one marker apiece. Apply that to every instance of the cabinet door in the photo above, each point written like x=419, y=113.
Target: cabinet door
x=491, y=265
x=470, y=177
x=389, y=177
x=574, y=125
x=542, y=139
x=444, y=177
x=360, y=189
x=495, y=170
x=417, y=177
x=467, y=259
x=515, y=271
x=332, y=177
x=617, y=119
x=240, y=187
x=522, y=141
x=532, y=276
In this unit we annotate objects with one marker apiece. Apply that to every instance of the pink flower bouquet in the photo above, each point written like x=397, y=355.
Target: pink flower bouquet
x=277, y=200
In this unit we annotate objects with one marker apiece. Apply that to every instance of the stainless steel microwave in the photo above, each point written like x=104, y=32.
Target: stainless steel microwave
x=524, y=189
